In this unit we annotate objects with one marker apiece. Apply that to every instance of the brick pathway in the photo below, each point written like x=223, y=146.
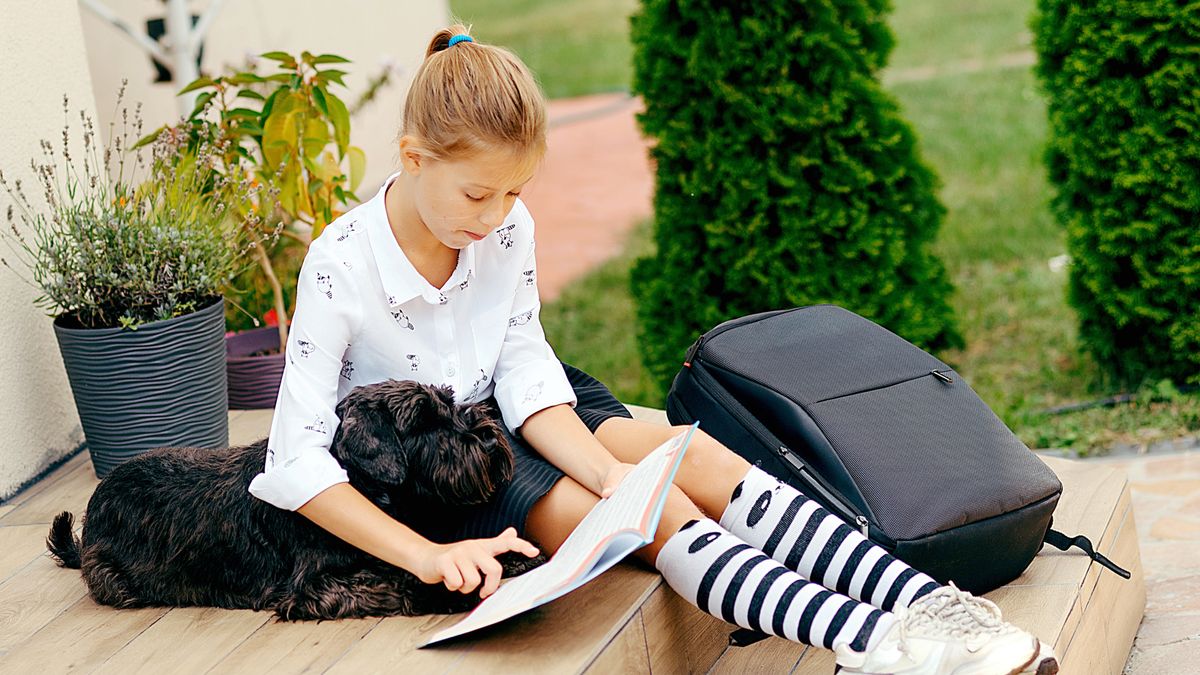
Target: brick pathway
x=1166, y=506
x=595, y=185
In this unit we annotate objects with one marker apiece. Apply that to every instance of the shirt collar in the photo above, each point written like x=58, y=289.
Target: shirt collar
x=401, y=281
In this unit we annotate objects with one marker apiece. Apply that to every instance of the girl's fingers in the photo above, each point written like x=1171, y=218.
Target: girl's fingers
x=470, y=575
x=450, y=575
x=509, y=541
x=492, y=572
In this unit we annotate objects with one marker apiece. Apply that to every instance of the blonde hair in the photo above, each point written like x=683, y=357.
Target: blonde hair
x=471, y=97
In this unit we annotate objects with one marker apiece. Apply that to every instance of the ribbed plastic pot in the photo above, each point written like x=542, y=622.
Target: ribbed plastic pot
x=161, y=385
x=253, y=380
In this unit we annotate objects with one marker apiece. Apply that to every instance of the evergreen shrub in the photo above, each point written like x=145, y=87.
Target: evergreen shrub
x=786, y=176
x=1122, y=82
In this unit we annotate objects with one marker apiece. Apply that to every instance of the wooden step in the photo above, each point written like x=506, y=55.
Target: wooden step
x=627, y=620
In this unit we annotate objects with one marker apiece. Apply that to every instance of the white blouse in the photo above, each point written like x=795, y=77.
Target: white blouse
x=364, y=314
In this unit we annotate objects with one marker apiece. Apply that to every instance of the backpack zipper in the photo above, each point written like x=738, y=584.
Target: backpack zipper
x=836, y=502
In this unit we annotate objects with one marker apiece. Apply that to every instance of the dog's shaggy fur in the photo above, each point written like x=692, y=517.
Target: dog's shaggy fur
x=177, y=527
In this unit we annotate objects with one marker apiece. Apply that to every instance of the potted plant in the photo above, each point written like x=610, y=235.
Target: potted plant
x=288, y=130
x=132, y=271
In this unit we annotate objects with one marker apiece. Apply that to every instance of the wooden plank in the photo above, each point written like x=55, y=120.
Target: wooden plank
x=247, y=426
x=80, y=639
x=626, y=653
x=680, y=637
x=295, y=647
x=1110, y=619
x=33, y=597
x=773, y=655
x=1129, y=604
x=1040, y=610
x=648, y=414
x=19, y=546
x=70, y=493
x=563, y=636
x=185, y=640
x=816, y=662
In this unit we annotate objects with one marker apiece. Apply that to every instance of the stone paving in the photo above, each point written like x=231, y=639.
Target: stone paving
x=1166, y=506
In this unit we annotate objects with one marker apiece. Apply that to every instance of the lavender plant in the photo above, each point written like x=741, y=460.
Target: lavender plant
x=106, y=249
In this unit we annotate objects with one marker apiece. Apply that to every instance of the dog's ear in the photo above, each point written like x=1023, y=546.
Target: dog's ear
x=366, y=441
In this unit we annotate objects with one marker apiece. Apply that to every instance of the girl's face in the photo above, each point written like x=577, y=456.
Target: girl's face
x=462, y=200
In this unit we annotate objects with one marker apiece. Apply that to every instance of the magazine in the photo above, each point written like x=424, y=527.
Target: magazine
x=618, y=525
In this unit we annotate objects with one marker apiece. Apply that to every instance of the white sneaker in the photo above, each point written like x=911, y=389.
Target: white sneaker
x=921, y=643
x=950, y=602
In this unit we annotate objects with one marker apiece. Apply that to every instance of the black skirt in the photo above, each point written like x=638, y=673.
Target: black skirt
x=533, y=476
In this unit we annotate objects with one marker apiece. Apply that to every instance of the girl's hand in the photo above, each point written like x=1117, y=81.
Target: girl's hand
x=613, y=478
x=461, y=566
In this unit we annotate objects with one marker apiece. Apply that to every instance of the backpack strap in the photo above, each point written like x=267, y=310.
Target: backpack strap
x=1062, y=542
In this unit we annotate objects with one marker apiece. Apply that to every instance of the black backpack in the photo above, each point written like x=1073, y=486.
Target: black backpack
x=879, y=432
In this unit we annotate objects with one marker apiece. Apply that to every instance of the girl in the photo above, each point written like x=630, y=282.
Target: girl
x=434, y=279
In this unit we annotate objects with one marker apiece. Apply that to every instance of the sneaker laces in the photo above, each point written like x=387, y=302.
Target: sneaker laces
x=961, y=614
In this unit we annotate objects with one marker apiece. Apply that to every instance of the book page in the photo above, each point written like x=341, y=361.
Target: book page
x=615, y=527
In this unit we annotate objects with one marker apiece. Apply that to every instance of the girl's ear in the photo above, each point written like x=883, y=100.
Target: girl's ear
x=412, y=155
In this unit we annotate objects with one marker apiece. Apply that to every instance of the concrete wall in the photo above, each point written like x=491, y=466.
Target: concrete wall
x=368, y=32
x=52, y=47
x=41, y=49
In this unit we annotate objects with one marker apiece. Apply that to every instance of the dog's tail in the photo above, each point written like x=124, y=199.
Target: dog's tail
x=63, y=544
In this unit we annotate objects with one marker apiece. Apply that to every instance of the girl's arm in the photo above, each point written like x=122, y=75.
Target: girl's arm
x=344, y=512
x=564, y=440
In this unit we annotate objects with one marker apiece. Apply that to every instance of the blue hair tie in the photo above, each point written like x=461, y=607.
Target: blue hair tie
x=459, y=38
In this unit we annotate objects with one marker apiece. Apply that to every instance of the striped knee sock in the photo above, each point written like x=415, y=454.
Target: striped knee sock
x=732, y=580
x=799, y=533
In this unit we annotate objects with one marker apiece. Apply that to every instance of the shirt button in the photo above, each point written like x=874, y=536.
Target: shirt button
x=450, y=371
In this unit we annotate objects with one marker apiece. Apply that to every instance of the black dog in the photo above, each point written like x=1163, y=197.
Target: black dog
x=177, y=527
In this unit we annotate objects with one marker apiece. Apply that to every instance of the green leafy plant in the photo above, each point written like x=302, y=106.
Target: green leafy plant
x=785, y=173
x=289, y=130
x=107, y=250
x=1120, y=79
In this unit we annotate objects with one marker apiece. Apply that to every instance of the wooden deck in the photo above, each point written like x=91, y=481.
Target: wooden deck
x=625, y=621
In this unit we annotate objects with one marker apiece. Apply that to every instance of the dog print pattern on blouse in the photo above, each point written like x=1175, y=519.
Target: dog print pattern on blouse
x=506, y=236
x=364, y=314
x=325, y=285
x=402, y=319
x=318, y=425
x=349, y=229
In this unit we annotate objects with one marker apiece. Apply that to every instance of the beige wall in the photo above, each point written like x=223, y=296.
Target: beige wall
x=368, y=32
x=41, y=58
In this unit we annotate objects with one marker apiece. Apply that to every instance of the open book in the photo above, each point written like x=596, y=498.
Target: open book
x=618, y=525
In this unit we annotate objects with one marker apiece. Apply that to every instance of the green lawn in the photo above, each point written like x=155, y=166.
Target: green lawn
x=983, y=133
x=573, y=46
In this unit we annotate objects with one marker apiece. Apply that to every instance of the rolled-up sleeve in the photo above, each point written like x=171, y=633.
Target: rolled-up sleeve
x=299, y=465
x=528, y=376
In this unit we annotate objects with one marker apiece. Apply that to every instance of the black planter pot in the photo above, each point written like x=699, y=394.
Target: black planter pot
x=158, y=386
x=253, y=380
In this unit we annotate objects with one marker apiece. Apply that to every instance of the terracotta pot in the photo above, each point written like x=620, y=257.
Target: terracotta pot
x=158, y=386
x=253, y=380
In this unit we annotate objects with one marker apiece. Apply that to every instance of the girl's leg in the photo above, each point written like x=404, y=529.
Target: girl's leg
x=723, y=575
x=775, y=517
